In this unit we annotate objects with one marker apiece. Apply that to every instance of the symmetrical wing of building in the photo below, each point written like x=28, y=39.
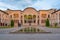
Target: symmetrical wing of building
x=29, y=16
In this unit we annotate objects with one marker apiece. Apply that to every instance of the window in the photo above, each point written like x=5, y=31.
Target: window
x=25, y=21
x=25, y=16
x=43, y=21
x=43, y=15
x=21, y=16
x=38, y=16
x=48, y=16
x=21, y=22
x=38, y=22
x=34, y=16
x=10, y=16
x=34, y=21
x=16, y=15
x=29, y=16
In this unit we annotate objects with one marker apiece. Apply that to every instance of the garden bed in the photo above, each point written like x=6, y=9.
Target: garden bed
x=2, y=27
x=53, y=27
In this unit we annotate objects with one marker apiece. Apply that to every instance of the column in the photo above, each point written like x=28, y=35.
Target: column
x=58, y=18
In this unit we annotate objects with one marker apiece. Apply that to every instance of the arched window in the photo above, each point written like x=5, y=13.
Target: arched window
x=48, y=16
x=16, y=15
x=43, y=15
x=25, y=16
x=10, y=16
x=34, y=16
x=29, y=16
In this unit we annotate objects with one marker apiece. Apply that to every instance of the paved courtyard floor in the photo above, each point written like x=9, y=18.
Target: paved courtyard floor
x=29, y=36
x=55, y=35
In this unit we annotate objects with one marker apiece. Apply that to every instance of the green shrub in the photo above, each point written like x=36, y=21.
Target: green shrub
x=47, y=23
x=12, y=23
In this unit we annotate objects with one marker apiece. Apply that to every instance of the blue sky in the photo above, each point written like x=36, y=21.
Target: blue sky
x=22, y=4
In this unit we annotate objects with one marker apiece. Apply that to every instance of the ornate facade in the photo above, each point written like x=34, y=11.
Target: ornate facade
x=29, y=16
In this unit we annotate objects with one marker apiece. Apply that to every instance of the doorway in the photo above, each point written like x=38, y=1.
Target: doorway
x=19, y=24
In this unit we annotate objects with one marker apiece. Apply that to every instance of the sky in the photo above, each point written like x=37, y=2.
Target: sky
x=22, y=4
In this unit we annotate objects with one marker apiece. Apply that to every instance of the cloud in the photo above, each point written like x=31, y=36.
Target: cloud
x=40, y=5
x=45, y=4
x=7, y=5
x=37, y=4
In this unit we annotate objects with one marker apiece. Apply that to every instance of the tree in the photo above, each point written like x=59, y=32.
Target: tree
x=47, y=22
x=12, y=23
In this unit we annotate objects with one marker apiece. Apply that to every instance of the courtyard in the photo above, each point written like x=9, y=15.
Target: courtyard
x=29, y=36
x=5, y=34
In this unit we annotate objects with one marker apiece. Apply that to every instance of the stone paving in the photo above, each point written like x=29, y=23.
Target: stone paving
x=29, y=36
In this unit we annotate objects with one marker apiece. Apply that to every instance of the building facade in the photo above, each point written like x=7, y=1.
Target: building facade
x=29, y=17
